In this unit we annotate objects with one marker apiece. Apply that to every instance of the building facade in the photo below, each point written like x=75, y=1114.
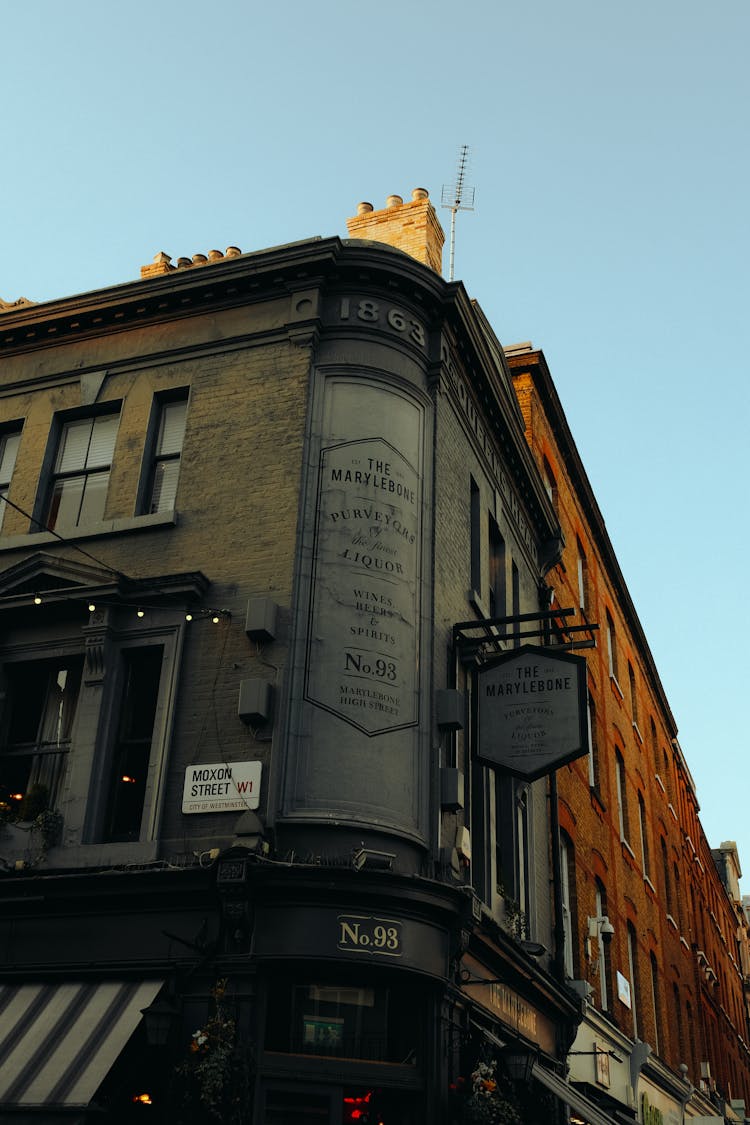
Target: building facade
x=656, y=939
x=257, y=510
x=277, y=531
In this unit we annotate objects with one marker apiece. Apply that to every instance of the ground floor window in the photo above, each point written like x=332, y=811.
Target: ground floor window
x=40, y=706
x=354, y=1021
x=340, y=1105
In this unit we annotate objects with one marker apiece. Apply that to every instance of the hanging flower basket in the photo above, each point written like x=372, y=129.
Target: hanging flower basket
x=213, y=1079
x=487, y=1102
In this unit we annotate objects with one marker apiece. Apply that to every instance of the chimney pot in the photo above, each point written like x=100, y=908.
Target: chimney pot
x=233, y=252
x=415, y=228
x=215, y=255
x=199, y=259
x=183, y=263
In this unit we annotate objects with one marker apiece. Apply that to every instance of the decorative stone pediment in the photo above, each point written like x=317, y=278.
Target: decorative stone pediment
x=49, y=572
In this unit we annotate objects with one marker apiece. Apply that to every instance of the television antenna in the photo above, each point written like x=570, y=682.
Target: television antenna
x=457, y=197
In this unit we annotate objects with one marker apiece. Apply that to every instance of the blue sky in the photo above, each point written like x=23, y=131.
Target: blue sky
x=609, y=153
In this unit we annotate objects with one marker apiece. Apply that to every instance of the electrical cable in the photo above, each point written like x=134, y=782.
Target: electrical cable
x=67, y=542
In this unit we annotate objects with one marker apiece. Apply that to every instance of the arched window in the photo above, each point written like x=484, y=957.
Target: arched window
x=603, y=966
x=593, y=747
x=611, y=646
x=567, y=886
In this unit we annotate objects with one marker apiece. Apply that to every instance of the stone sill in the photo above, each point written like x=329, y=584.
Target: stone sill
x=89, y=531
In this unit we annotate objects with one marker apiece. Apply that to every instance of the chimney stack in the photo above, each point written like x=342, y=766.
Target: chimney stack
x=412, y=227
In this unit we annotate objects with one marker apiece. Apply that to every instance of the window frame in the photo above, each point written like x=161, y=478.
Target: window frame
x=42, y=515
x=169, y=637
x=600, y=911
x=567, y=880
x=611, y=634
x=497, y=593
x=8, y=430
x=622, y=796
x=475, y=541
x=152, y=458
x=24, y=659
x=643, y=829
x=593, y=747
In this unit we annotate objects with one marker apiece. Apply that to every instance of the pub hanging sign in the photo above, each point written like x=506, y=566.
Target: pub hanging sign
x=532, y=711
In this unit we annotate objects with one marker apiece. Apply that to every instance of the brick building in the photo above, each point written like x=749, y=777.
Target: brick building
x=664, y=978
x=258, y=509
x=271, y=522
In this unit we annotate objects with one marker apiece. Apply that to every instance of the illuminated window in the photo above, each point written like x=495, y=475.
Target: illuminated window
x=80, y=476
x=343, y=1020
x=41, y=699
x=130, y=760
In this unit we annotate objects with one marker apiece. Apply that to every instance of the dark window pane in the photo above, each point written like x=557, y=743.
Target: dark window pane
x=42, y=698
x=286, y=1106
x=142, y=671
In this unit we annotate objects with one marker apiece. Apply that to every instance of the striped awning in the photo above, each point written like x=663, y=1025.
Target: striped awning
x=58, y=1041
x=567, y=1093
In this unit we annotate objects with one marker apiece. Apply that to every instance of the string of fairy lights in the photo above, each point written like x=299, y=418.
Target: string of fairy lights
x=38, y=598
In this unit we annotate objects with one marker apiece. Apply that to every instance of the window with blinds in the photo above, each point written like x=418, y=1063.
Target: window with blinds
x=9, y=442
x=80, y=476
x=167, y=450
